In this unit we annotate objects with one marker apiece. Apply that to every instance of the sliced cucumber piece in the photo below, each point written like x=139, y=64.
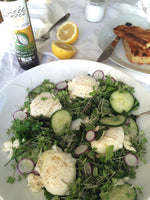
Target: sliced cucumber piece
x=121, y=101
x=130, y=128
x=121, y=192
x=61, y=121
x=116, y=120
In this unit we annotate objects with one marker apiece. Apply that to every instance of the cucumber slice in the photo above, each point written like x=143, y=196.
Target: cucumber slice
x=121, y=101
x=130, y=128
x=61, y=121
x=121, y=192
x=116, y=120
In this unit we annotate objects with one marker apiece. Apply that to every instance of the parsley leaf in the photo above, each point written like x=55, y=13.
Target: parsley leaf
x=109, y=153
x=11, y=180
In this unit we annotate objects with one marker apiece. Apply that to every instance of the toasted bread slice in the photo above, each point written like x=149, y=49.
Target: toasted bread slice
x=134, y=34
x=136, y=54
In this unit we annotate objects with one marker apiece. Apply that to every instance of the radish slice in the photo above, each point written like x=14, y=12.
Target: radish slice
x=35, y=172
x=86, y=108
x=61, y=85
x=25, y=166
x=131, y=160
x=113, y=79
x=98, y=74
x=88, y=168
x=81, y=149
x=19, y=114
x=127, y=121
x=90, y=136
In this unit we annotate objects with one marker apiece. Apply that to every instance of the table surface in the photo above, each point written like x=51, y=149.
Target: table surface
x=42, y=13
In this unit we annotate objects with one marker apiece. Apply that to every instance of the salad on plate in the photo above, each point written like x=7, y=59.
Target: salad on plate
x=78, y=139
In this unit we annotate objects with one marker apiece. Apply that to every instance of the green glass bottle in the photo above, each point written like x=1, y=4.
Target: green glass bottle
x=15, y=14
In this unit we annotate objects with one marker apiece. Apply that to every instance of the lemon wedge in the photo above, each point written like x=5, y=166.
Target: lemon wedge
x=68, y=32
x=63, y=50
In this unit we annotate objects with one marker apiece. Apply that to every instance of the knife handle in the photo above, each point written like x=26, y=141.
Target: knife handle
x=62, y=19
x=115, y=41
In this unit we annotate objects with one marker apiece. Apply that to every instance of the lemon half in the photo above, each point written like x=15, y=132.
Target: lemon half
x=68, y=32
x=63, y=50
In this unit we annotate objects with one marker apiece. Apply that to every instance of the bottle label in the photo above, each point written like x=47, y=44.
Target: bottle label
x=15, y=14
x=24, y=44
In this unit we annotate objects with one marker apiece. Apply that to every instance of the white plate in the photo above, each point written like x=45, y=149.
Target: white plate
x=119, y=56
x=14, y=95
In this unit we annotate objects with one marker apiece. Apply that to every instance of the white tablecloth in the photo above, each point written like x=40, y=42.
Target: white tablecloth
x=43, y=14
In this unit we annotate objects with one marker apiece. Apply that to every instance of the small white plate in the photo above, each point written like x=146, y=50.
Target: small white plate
x=13, y=97
x=119, y=56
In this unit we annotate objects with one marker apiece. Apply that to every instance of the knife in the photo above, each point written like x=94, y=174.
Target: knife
x=109, y=49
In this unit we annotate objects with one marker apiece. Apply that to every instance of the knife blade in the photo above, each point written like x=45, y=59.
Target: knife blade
x=109, y=49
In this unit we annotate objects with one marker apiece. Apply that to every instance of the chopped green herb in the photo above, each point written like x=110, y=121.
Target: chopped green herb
x=43, y=98
x=11, y=180
x=109, y=153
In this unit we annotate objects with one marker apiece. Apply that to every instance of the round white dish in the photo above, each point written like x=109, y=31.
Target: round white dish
x=119, y=55
x=13, y=96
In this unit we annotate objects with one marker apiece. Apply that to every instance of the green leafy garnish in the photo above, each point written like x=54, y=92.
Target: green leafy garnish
x=11, y=180
x=109, y=153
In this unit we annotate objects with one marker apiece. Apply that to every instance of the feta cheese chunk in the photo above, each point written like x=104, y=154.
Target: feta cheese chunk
x=76, y=124
x=16, y=144
x=44, y=104
x=127, y=144
x=113, y=136
x=81, y=86
x=9, y=145
x=57, y=170
x=34, y=182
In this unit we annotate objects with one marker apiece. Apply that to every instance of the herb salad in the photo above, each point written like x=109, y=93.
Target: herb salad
x=97, y=174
